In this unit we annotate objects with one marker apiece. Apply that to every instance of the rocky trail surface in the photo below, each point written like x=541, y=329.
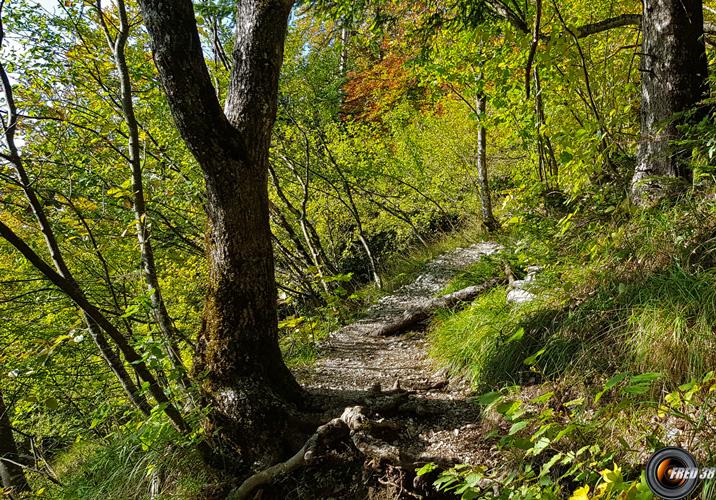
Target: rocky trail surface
x=432, y=417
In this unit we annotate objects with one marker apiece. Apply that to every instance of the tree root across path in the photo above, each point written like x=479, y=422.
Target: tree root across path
x=385, y=409
x=412, y=317
x=365, y=434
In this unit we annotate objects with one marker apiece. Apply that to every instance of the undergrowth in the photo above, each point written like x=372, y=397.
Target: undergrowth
x=124, y=467
x=611, y=360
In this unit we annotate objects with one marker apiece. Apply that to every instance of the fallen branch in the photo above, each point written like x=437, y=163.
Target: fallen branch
x=414, y=316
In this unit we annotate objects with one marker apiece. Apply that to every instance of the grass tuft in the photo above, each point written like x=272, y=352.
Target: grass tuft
x=122, y=468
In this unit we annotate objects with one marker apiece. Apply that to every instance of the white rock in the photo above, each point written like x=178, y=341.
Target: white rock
x=517, y=293
x=519, y=296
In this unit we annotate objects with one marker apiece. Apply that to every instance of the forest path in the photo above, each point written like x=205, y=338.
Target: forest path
x=443, y=423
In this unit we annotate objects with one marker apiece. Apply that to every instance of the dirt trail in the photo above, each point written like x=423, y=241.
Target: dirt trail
x=443, y=425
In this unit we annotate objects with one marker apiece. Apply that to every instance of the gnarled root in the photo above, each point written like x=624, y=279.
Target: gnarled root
x=353, y=424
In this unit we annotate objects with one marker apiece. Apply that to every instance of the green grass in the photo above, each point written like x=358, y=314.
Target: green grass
x=670, y=327
x=664, y=323
x=122, y=469
x=487, y=268
x=636, y=296
x=474, y=341
x=627, y=297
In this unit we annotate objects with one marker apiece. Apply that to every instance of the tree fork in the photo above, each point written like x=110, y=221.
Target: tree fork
x=250, y=390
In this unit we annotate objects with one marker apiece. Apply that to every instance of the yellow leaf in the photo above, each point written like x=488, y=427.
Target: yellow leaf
x=580, y=493
x=612, y=476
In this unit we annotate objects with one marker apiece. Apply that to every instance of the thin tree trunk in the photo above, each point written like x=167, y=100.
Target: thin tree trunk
x=280, y=220
x=310, y=235
x=674, y=71
x=309, y=231
x=548, y=167
x=488, y=218
x=13, y=475
x=353, y=209
x=343, y=64
x=296, y=270
x=398, y=214
x=169, y=334
x=372, y=265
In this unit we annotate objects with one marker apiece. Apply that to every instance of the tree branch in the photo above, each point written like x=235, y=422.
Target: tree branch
x=607, y=24
x=414, y=316
x=70, y=288
x=180, y=61
x=533, y=46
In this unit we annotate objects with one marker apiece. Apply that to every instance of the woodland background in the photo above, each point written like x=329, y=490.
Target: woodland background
x=403, y=130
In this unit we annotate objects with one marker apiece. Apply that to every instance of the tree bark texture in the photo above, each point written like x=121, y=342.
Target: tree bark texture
x=674, y=71
x=245, y=381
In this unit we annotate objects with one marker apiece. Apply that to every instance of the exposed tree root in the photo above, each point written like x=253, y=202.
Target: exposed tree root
x=365, y=435
x=412, y=317
x=325, y=436
x=371, y=423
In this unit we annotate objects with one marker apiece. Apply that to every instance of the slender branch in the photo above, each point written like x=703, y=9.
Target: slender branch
x=533, y=46
x=71, y=289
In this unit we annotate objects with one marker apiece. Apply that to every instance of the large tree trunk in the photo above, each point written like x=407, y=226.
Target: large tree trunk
x=674, y=71
x=248, y=386
x=13, y=476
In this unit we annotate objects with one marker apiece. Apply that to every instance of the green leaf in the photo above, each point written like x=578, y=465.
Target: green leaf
x=532, y=360
x=426, y=469
x=540, y=446
x=508, y=408
x=640, y=384
x=543, y=398
x=488, y=398
x=645, y=378
x=546, y=467
x=616, y=379
x=518, y=426
x=518, y=335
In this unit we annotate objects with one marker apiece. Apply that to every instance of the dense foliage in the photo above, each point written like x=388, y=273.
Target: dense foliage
x=373, y=171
